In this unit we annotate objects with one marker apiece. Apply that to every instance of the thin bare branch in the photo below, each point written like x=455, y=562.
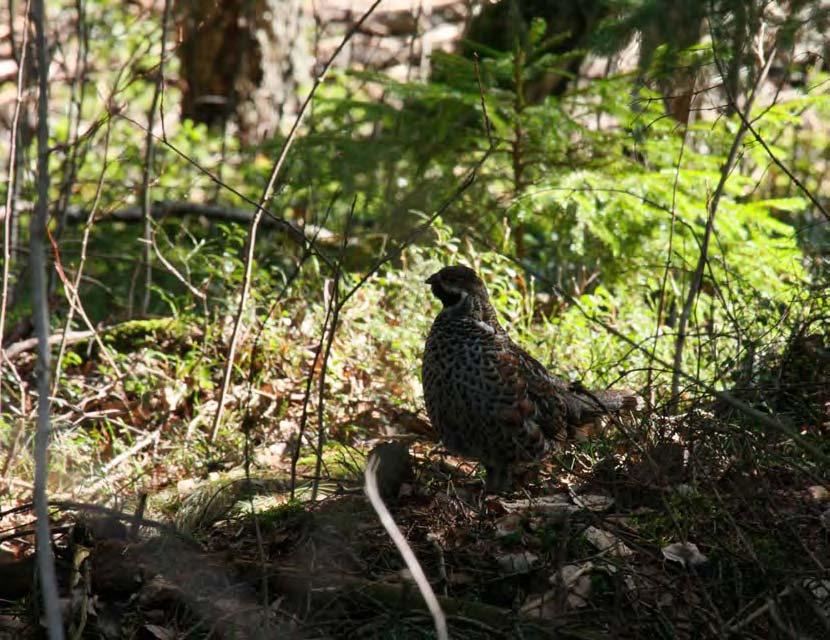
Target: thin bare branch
x=10, y=184
x=669, y=251
x=335, y=307
x=199, y=294
x=264, y=200
x=714, y=202
x=292, y=230
x=75, y=303
x=82, y=260
x=40, y=310
x=295, y=455
x=72, y=337
x=149, y=157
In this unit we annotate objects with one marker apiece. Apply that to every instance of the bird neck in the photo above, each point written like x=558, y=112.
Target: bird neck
x=475, y=307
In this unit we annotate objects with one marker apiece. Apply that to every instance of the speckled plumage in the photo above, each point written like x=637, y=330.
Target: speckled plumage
x=487, y=397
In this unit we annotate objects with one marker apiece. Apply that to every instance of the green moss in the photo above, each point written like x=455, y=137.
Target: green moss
x=137, y=333
x=281, y=514
x=339, y=461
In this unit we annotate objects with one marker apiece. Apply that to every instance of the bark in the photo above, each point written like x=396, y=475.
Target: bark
x=40, y=311
x=245, y=60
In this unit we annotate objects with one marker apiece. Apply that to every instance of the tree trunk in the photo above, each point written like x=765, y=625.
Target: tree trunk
x=243, y=60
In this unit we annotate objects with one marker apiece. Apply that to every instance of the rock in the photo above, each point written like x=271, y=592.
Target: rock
x=818, y=493
x=394, y=468
x=686, y=553
x=605, y=541
x=517, y=563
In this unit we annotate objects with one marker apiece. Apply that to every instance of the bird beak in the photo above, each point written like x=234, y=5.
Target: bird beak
x=432, y=279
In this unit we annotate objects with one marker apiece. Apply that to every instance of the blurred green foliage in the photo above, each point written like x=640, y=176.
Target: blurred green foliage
x=597, y=191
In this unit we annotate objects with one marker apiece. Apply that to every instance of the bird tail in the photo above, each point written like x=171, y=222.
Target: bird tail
x=596, y=406
x=608, y=401
x=621, y=400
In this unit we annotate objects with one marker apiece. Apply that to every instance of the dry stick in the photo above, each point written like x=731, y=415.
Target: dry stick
x=404, y=549
x=73, y=157
x=73, y=337
x=40, y=311
x=306, y=399
x=82, y=260
x=164, y=261
x=307, y=250
x=264, y=200
x=335, y=306
x=667, y=267
x=75, y=302
x=149, y=156
x=517, y=143
x=151, y=438
x=697, y=277
x=783, y=168
x=488, y=127
x=420, y=230
x=746, y=123
x=295, y=455
x=10, y=184
x=307, y=253
x=294, y=232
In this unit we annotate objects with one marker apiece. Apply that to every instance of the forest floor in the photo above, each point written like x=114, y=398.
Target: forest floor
x=681, y=527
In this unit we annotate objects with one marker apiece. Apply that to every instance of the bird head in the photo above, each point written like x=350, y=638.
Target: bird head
x=455, y=283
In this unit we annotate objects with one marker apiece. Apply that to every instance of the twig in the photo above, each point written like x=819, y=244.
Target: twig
x=670, y=249
x=291, y=230
x=264, y=200
x=404, y=549
x=199, y=294
x=714, y=202
x=72, y=337
x=487, y=126
x=295, y=456
x=335, y=306
x=74, y=156
x=816, y=202
x=40, y=311
x=82, y=259
x=10, y=183
x=170, y=208
x=286, y=286
x=150, y=438
x=75, y=302
x=469, y=179
x=149, y=156
x=255, y=350
x=396, y=251
x=748, y=125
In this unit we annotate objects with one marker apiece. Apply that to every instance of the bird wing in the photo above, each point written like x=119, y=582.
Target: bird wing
x=547, y=394
x=565, y=408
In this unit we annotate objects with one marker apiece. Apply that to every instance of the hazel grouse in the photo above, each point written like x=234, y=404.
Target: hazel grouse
x=486, y=396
